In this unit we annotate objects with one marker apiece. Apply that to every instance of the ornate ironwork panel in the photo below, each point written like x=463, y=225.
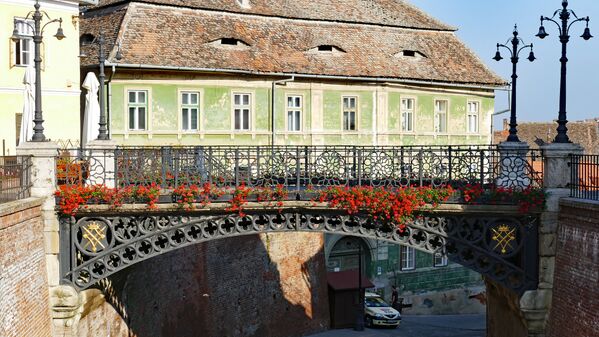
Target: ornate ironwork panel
x=96, y=246
x=297, y=167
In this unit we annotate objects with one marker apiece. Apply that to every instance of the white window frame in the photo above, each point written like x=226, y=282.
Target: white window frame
x=438, y=113
x=25, y=29
x=136, y=105
x=291, y=127
x=439, y=263
x=349, y=110
x=190, y=106
x=241, y=107
x=404, y=110
x=407, y=258
x=473, y=114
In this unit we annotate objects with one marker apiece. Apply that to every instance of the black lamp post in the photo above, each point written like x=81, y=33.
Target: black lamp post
x=38, y=32
x=515, y=52
x=564, y=37
x=101, y=41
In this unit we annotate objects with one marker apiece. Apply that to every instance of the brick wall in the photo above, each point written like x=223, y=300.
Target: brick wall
x=267, y=285
x=24, y=309
x=575, y=306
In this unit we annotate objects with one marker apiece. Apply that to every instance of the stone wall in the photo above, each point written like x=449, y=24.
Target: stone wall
x=575, y=293
x=266, y=285
x=24, y=308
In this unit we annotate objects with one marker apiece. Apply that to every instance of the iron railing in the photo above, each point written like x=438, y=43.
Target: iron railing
x=584, y=177
x=298, y=167
x=15, y=178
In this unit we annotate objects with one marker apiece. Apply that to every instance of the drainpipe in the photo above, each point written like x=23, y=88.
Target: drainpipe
x=272, y=106
x=109, y=100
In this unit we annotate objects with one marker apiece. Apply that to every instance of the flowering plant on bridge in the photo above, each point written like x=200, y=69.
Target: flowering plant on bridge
x=395, y=206
x=72, y=197
x=186, y=196
x=527, y=199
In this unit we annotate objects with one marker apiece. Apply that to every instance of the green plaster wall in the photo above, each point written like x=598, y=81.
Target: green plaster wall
x=425, y=277
x=216, y=114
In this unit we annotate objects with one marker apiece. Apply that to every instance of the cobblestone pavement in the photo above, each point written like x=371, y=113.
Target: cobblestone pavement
x=422, y=326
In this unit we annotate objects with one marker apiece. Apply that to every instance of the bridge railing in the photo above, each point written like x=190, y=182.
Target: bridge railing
x=584, y=177
x=15, y=178
x=300, y=167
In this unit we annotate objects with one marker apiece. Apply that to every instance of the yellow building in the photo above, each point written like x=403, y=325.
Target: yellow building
x=60, y=70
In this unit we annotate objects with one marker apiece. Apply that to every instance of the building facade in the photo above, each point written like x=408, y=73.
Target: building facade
x=231, y=72
x=60, y=69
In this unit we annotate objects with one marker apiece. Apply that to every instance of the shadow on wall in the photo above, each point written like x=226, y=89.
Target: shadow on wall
x=266, y=285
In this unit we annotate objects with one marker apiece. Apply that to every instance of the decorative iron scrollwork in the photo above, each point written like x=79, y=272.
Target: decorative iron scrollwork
x=103, y=245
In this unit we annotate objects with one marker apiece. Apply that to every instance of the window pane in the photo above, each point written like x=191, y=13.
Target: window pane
x=298, y=121
x=352, y=125
x=142, y=118
x=345, y=103
x=442, y=123
x=246, y=99
x=352, y=102
x=290, y=121
x=131, y=96
x=290, y=102
x=237, y=119
x=298, y=102
x=185, y=98
x=237, y=99
x=132, y=118
x=194, y=99
x=194, y=119
x=141, y=97
x=246, y=119
x=185, y=118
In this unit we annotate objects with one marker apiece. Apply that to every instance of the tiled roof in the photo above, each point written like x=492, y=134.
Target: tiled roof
x=166, y=36
x=384, y=12
x=585, y=133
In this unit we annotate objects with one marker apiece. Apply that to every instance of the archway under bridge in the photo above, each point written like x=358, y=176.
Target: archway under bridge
x=495, y=241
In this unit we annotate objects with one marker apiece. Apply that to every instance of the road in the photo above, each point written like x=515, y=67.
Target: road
x=422, y=326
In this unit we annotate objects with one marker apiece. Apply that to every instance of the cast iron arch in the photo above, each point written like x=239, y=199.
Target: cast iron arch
x=97, y=245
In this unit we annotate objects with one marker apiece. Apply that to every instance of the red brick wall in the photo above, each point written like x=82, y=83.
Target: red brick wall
x=24, y=309
x=575, y=305
x=251, y=286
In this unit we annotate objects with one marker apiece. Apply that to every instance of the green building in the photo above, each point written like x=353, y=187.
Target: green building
x=329, y=72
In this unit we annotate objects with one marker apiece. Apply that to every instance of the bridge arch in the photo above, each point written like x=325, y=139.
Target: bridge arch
x=497, y=242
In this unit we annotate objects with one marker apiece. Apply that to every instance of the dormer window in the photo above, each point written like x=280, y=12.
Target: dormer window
x=229, y=42
x=327, y=49
x=408, y=53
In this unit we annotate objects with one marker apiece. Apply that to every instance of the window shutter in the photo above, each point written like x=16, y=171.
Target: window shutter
x=11, y=48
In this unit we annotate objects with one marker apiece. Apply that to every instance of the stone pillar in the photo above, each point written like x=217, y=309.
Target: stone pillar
x=514, y=171
x=101, y=157
x=535, y=304
x=64, y=300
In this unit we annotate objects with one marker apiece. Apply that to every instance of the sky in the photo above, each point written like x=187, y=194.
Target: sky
x=484, y=23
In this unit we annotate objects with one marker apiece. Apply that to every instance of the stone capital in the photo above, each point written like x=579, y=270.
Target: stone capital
x=38, y=149
x=65, y=307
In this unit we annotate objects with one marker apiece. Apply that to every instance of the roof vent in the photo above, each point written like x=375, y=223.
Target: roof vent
x=406, y=53
x=229, y=42
x=244, y=3
x=327, y=48
x=86, y=39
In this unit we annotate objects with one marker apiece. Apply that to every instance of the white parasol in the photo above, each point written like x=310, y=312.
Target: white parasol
x=91, y=119
x=26, y=131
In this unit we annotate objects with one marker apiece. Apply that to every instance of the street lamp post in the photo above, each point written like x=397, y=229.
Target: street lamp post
x=101, y=41
x=515, y=52
x=564, y=37
x=38, y=32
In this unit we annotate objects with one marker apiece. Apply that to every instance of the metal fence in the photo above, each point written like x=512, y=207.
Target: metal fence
x=299, y=167
x=584, y=177
x=15, y=178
